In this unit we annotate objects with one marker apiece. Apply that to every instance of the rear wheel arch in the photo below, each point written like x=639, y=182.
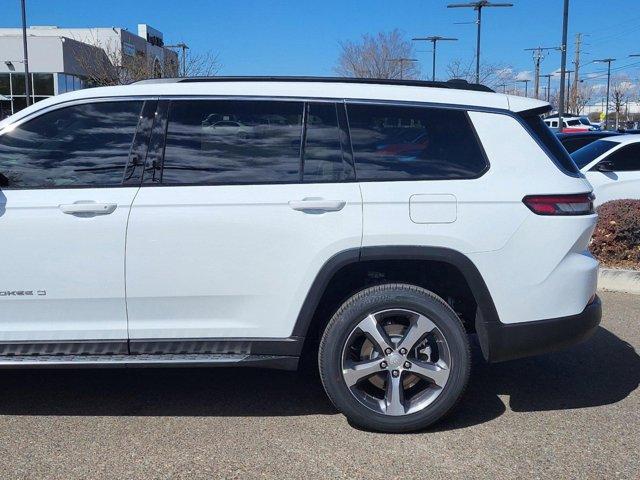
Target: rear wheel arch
x=311, y=317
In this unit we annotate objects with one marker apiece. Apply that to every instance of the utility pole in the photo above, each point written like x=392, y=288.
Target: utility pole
x=563, y=61
x=606, y=112
x=548, y=87
x=433, y=39
x=576, y=78
x=402, y=62
x=478, y=6
x=27, y=77
x=538, y=56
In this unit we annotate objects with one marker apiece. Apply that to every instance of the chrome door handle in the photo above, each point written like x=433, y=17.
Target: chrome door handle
x=88, y=208
x=317, y=205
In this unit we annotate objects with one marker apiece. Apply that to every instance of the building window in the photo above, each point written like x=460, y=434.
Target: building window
x=43, y=84
x=5, y=84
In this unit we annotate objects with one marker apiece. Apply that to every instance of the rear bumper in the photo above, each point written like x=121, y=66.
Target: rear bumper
x=500, y=341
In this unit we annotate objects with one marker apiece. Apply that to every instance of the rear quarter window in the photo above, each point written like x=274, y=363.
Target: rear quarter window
x=413, y=143
x=548, y=140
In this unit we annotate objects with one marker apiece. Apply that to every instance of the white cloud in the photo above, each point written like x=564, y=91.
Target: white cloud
x=524, y=75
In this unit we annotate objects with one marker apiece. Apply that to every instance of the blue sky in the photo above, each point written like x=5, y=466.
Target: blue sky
x=288, y=37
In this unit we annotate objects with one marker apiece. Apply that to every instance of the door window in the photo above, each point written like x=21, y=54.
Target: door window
x=626, y=159
x=83, y=145
x=211, y=142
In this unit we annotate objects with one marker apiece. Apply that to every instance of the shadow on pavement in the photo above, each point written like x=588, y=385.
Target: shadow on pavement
x=602, y=371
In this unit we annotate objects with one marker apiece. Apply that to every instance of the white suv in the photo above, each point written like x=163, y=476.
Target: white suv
x=375, y=224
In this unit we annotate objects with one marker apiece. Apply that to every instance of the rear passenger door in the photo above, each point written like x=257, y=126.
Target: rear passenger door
x=235, y=219
x=68, y=177
x=421, y=171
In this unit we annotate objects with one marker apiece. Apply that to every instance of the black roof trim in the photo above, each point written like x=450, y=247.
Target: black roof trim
x=455, y=83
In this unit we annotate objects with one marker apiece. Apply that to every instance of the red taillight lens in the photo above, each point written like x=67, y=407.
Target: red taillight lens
x=578, y=204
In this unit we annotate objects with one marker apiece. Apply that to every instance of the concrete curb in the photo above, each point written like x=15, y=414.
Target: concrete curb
x=616, y=280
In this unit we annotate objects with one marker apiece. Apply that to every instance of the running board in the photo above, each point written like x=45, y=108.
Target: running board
x=280, y=362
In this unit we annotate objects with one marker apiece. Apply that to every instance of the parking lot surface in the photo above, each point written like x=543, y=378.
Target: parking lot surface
x=573, y=414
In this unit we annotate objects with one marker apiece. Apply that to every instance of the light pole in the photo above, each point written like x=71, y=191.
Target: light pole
x=27, y=79
x=478, y=6
x=433, y=39
x=548, y=77
x=526, y=86
x=606, y=112
x=568, y=72
x=402, y=61
x=184, y=47
x=563, y=61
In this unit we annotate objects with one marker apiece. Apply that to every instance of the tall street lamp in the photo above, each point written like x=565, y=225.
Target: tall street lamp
x=184, y=47
x=526, y=86
x=548, y=77
x=402, y=62
x=606, y=112
x=27, y=79
x=478, y=6
x=433, y=39
x=563, y=61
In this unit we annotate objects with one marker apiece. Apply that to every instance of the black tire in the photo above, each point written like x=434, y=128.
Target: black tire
x=378, y=298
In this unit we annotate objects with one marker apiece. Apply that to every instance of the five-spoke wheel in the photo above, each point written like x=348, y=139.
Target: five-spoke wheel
x=394, y=357
x=396, y=361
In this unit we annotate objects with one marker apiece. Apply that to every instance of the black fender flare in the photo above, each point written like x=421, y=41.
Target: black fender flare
x=486, y=309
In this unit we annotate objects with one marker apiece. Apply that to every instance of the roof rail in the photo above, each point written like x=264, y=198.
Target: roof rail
x=458, y=84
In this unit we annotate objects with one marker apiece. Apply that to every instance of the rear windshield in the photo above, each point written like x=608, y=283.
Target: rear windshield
x=551, y=143
x=587, y=154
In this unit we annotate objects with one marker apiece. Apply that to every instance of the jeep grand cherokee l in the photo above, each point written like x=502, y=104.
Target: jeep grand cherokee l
x=375, y=224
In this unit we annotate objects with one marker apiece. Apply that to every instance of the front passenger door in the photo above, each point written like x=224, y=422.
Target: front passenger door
x=623, y=181
x=65, y=193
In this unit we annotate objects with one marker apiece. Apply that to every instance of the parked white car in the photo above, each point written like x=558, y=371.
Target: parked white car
x=373, y=226
x=571, y=124
x=612, y=166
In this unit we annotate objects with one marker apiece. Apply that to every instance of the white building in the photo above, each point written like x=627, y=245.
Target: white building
x=58, y=58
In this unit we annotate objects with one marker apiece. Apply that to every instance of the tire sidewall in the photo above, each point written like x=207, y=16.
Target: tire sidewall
x=386, y=297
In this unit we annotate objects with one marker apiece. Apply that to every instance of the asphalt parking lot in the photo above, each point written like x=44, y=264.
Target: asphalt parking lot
x=574, y=414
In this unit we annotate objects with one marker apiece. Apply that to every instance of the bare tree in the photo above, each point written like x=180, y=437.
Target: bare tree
x=492, y=75
x=385, y=55
x=621, y=91
x=582, y=96
x=105, y=64
x=205, y=64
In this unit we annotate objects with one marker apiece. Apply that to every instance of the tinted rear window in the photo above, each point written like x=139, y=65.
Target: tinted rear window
x=232, y=142
x=585, y=155
x=554, y=148
x=413, y=143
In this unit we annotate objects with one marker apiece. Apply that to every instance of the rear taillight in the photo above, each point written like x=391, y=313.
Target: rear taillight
x=576, y=204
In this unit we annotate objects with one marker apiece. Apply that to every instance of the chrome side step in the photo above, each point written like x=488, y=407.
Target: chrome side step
x=149, y=360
